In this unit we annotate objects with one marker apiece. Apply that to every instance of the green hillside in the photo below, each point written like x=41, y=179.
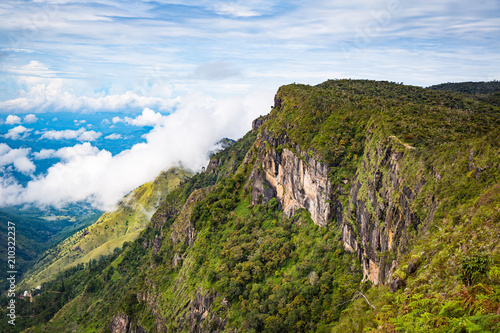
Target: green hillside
x=36, y=231
x=488, y=92
x=109, y=232
x=472, y=88
x=353, y=206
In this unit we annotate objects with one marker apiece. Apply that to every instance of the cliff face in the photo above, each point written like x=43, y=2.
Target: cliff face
x=376, y=211
x=380, y=213
x=121, y=323
x=295, y=179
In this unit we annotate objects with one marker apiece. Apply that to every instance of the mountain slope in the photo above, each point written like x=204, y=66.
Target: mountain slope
x=358, y=206
x=109, y=232
x=472, y=88
x=488, y=92
x=36, y=231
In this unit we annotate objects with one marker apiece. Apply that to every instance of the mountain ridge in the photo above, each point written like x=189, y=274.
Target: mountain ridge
x=402, y=173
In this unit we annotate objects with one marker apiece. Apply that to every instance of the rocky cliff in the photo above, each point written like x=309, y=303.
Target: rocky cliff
x=374, y=206
x=298, y=181
x=377, y=212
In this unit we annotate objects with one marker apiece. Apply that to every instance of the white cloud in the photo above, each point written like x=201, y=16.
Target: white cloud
x=16, y=157
x=89, y=136
x=76, y=152
x=44, y=153
x=12, y=119
x=81, y=135
x=235, y=10
x=147, y=118
x=18, y=50
x=185, y=136
x=113, y=136
x=34, y=68
x=30, y=119
x=42, y=90
x=65, y=134
x=16, y=132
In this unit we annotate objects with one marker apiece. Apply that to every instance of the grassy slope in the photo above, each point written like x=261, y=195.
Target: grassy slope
x=289, y=275
x=110, y=231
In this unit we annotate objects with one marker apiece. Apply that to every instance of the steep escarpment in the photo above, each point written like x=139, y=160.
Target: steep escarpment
x=377, y=198
x=345, y=191
x=298, y=181
x=358, y=171
x=379, y=211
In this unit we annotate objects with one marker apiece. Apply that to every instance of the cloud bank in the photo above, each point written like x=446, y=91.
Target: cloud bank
x=87, y=173
x=40, y=94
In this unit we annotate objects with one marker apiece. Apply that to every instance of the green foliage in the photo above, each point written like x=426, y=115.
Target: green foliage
x=55, y=294
x=35, y=235
x=472, y=88
x=473, y=268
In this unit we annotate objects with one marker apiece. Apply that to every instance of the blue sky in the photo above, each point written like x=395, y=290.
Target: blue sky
x=166, y=49
x=198, y=71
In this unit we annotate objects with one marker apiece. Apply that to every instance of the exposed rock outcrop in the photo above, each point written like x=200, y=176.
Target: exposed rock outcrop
x=257, y=123
x=199, y=316
x=182, y=229
x=294, y=178
x=121, y=323
x=380, y=212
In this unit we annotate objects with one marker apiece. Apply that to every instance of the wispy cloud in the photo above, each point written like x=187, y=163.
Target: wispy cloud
x=114, y=136
x=217, y=70
x=111, y=43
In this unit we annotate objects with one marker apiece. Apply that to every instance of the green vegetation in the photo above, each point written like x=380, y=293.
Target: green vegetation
x=472, y=88
x=488, y=92
x=54, y=294
x=277, y=272
x=35, y=234
x=211, y=260
x=109, y=232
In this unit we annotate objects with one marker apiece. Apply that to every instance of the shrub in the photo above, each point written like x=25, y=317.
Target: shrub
x=473, y=268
